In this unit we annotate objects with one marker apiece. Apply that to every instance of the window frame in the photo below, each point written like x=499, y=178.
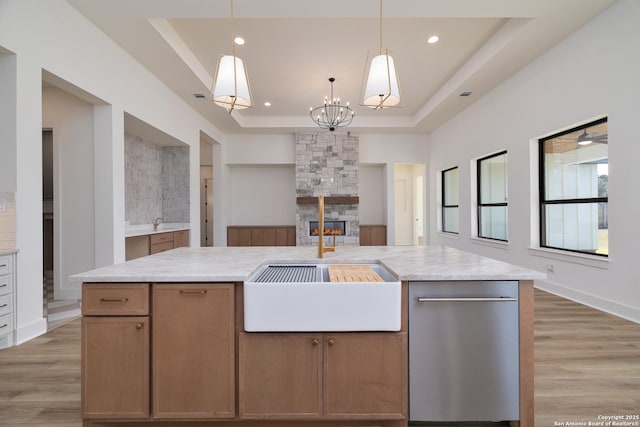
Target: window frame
x=444, y=198
x=543, y=202
x=481, y=205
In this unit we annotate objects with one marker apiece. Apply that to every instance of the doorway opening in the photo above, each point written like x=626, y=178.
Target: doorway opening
x=206, y=193
x=56, y=311
x=409, y=204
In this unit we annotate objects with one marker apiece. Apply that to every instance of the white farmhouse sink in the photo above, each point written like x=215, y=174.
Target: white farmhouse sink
x=300, y=297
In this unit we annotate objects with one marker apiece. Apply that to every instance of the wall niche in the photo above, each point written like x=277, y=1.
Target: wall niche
x=156, y=181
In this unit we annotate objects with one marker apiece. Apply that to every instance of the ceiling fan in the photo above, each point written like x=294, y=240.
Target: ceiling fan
x=588, y=138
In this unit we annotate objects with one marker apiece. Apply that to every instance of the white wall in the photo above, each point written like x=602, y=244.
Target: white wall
x=592, y=73
x=52, y=36
x=263, y=194
x=373, y=201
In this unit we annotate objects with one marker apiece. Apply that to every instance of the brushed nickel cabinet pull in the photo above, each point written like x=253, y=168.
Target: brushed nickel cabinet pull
x=3, y=305
x=4, y=326
x=140, y=325
x=4, y=285
x=114, y=300
x=193, y=292
x=3, y=265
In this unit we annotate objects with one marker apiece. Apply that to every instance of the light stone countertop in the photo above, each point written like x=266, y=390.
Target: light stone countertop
x=235, y=264
x=147, y=229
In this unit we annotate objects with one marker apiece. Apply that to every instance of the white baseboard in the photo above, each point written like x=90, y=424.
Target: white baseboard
x=30, y=331
x=620, y=310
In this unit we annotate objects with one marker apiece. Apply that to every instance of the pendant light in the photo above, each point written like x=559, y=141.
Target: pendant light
x=380, y=87
x=231, y=83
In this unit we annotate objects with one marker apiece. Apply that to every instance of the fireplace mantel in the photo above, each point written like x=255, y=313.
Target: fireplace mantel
x=329, y=200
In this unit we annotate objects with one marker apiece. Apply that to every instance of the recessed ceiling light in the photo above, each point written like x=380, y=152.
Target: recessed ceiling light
x=239, y=41
x=433, y=39
x=267, y=104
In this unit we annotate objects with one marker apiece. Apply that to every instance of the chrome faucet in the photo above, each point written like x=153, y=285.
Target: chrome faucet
x=321, y=246
x=157, y=222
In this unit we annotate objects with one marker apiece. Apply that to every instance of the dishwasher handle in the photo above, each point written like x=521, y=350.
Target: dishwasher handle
x=468, y=299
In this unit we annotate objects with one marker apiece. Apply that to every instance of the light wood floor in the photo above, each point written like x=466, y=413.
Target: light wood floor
x=587, y=363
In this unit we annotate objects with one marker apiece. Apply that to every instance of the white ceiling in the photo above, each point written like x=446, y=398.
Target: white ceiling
x=293, y=47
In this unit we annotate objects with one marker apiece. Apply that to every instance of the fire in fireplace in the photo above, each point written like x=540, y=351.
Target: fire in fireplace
x=331, y=228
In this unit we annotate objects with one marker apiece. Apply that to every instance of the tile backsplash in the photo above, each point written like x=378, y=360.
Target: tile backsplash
x=156, y=182
x=7, y=221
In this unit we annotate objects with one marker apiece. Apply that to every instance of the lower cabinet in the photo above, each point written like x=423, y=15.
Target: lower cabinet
x=280, y=375
x=189, y=367
x=193, y=351
x=115, y=352
x=339, y=375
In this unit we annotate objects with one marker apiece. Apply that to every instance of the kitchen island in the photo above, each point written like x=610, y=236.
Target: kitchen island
x=164, y=342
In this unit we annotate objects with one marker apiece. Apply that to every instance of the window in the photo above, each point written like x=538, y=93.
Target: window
x=574, y=189
x=492, y=196
x=450, y=200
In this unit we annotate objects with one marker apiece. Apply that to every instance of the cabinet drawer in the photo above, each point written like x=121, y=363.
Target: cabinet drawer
x=5, y=284
x=115, y=299
x=154, y=239
x=160, y=247
x=5, y=264
x=5, y=305
x=6, y=325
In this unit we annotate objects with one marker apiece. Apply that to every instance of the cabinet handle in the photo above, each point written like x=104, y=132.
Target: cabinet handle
x=140, y=325
x=3, y=305
x=314, y=342
x=4, y=285
x=193, y=292
x=3, y=265
x=4, y=326
x=331, y=342
x=114, y=300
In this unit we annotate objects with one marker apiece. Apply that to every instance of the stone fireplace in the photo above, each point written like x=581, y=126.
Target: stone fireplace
x=327, y=164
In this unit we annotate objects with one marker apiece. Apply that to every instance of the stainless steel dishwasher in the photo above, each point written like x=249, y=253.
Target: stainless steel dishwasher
x=463, y=351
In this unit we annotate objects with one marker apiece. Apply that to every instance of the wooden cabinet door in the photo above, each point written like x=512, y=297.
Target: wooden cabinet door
x=365, y=375
x=193, y=351
x=379, y=236
x=238, y=236
x=263, y=236
x=365, y=236
x=280, y=375
x=115, y=367
x=181, y=239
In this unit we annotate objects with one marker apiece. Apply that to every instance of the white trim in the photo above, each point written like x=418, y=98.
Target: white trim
x=498, y=244
x=572, y=257
x=616, y=309
x=449, y=235
x=30, y=331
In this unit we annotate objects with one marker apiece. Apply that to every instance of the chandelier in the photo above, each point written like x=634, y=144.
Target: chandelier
x=380, y=88
x=231, y=84
x=332, y=114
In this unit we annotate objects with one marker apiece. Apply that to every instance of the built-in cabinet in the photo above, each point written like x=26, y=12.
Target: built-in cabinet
x=261, y=235
x=373, y=235
x=193, y=351
x=149, y=244
x=161, y=352
x=115, y=351
x=7, y=303
x=337, y=375
x=189, y=368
